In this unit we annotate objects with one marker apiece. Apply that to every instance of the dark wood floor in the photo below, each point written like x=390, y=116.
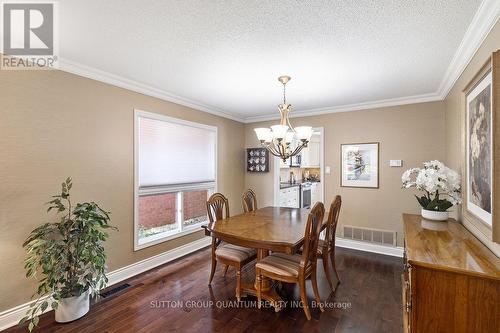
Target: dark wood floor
x=367, y=300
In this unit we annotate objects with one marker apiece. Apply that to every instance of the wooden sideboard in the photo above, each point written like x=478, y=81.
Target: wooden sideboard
x=451, y=281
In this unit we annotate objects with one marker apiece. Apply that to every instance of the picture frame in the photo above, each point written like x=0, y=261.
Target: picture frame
x=359, y=165
x=480, y=149
x=257, y=160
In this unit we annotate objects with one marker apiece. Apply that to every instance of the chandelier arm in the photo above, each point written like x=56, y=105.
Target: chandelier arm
x=267, y=146
x=273, y=150
x=284, y=153
x=289, y=124
x=272, y=153
x=283, y=116
x=298, y=149
x=280, y=150
x=284, y=149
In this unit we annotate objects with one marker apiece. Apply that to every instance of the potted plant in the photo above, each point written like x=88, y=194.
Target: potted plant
x=441, y=187
x=70, y=256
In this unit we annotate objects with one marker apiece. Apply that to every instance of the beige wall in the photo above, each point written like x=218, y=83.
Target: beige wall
x=413, y=133
x=455, y=111
x=54, y=125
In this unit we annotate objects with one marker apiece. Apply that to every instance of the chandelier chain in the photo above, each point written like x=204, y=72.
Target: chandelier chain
x=284, y=93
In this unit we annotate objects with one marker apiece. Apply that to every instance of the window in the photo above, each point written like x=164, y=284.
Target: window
x=175, y=173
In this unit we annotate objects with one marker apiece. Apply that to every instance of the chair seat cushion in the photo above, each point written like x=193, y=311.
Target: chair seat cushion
x=281, y=264
x=234, y=252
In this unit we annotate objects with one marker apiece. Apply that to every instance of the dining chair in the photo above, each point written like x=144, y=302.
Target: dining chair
x=296, y=268
x=249, y=200
x=326, y=247
x=225, y=253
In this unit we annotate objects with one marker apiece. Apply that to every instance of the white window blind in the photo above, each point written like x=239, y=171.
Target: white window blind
x=173, y=152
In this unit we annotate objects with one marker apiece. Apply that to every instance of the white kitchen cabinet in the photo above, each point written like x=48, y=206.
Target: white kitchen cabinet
x=315, y=193
x=311, y=154
x=304, y=153
x=290, y=197
x=314, y=154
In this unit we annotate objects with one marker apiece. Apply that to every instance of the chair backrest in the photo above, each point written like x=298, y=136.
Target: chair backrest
x=217, y=205
x=249, y=201
x=331, y=225
x=311, y=236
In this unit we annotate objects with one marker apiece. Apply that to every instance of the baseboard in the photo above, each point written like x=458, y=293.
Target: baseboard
x=369, y=247
x=139, y=267
x=11, y=317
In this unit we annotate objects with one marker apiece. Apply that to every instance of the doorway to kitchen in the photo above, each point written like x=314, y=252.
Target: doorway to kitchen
x=299, y=181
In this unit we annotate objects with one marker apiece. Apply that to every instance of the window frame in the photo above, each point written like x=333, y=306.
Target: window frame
x=171, y=188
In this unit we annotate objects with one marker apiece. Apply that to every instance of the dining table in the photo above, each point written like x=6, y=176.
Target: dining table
x=276, y=229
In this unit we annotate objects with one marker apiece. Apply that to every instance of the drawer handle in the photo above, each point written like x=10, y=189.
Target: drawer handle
x=408, y=306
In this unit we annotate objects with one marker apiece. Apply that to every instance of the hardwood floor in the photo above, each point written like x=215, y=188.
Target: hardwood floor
x=176, y=298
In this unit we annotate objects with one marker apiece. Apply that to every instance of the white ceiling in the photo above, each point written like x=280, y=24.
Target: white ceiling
x=225, y=56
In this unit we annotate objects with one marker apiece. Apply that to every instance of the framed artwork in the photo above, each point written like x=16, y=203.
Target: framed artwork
x=359, y=165
x=481, y=162
x=257, y=160
x=479, y=149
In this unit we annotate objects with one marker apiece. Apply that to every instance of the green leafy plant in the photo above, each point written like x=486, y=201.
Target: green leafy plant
x=69, y=254
x=436, y=204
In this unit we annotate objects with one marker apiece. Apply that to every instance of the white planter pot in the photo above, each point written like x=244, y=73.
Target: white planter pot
x=73, y=308
x=434, y=216
x=434, y=225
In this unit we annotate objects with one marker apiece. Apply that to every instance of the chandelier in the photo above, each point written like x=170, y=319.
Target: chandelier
x=283, y=140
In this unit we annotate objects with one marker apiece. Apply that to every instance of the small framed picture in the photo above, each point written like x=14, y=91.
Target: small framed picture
x=359, y=165
x=257, y=160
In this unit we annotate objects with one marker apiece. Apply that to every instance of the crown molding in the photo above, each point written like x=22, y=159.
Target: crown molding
x=483, y=21
x=119, y=81
x=432, y=97
x=122, y=82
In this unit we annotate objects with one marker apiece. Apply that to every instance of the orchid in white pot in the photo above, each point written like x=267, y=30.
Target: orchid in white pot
x=441, y=187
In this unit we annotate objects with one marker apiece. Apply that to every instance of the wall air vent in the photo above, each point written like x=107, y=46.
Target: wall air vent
x=115, y=290
x=376, y=236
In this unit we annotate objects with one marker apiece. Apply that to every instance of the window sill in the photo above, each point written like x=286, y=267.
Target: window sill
x=161, y=239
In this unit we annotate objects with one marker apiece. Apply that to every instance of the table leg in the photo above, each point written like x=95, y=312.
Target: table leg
x=268, y=292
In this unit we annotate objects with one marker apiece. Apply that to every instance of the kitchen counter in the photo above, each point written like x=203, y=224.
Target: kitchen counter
x=288, y=185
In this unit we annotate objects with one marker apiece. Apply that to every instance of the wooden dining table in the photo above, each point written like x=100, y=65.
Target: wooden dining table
x=276, y=229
